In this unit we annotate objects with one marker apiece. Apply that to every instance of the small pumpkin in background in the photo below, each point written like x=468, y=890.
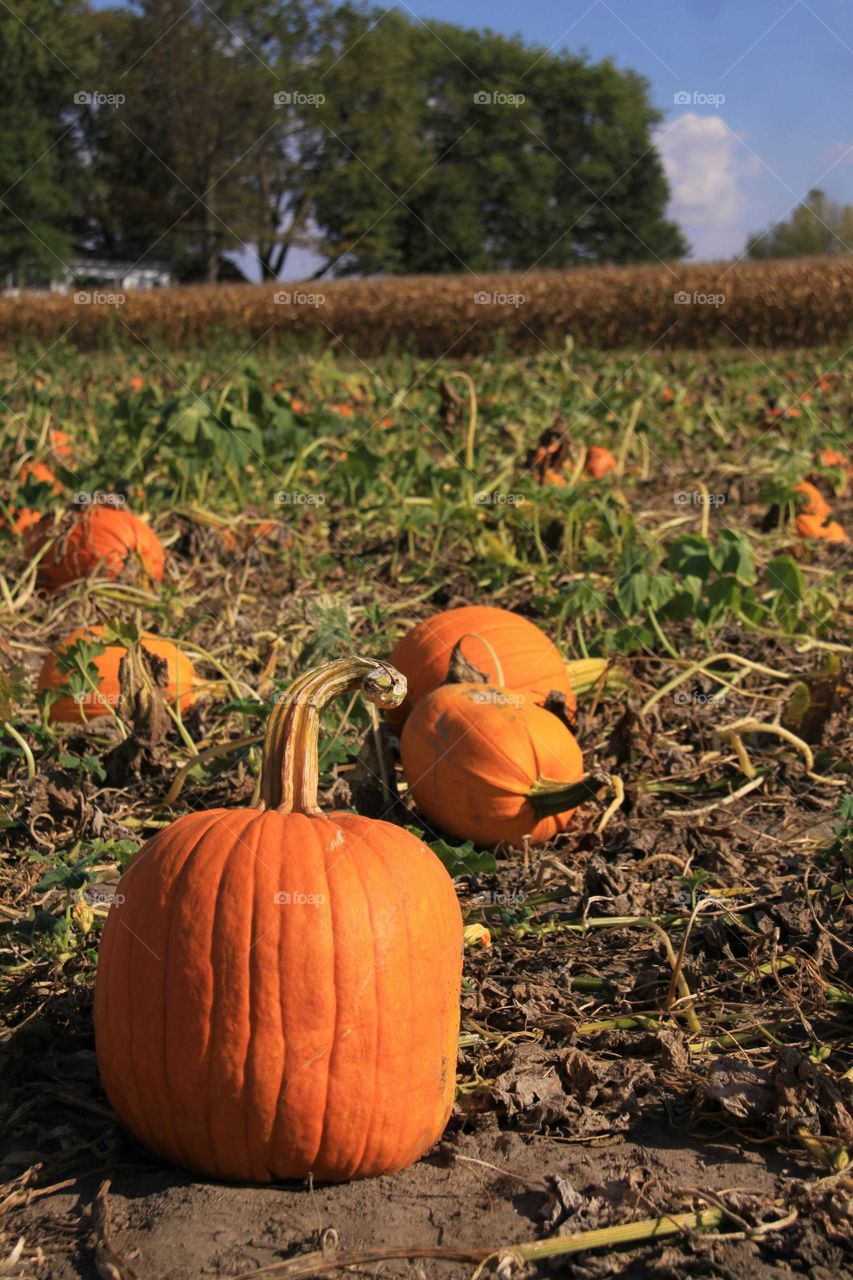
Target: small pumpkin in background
x=813, y=520
x=60, y=444
x=832, y=458
x=810, y=499
x=506, y=648
x=98, y=538
x=23, y=518
x=180, y=676
x=599, y=462
x=294, y=977
x=487, y=764
x=818, y=526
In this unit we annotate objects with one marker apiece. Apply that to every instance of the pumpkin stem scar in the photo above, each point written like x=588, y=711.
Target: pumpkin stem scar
x=290, y=770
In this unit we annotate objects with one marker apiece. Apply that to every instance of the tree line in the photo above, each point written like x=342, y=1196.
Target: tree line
x=258, y=127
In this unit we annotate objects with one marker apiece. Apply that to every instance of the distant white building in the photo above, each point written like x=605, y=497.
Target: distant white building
x=122, y=275
x=144, y=274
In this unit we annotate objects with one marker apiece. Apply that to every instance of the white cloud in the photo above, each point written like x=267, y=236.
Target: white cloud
x=706, y=166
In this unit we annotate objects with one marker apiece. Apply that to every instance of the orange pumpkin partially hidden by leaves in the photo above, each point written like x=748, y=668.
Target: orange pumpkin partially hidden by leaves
x=818, y=526
x=505, y=647
x=599, y=461
x=100, y=538
x=278, y=990
x=60, y=443
x=71, y=710
x=813, y=519
x=488, y=765
x=23, y=518
x=811, y=500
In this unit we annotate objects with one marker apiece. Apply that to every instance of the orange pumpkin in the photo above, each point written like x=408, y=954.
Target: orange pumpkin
x=100, y=537
x=23, y=518
x=60, y=443
x=811, y=525
x=68, y=710
x=294, y=977
x=504, y=646
x=831, y=458
x=599, y=462
x=488, y=765
x=813, y=502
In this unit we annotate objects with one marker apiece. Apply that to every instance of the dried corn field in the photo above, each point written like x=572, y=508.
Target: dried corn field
x=759, y=305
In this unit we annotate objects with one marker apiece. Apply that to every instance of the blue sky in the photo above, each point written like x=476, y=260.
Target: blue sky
x=784, y=68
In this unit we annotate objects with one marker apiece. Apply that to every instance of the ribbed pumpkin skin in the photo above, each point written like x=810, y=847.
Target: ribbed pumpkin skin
x=531, y=662
x=102, y=538
x=471, y=755
x=345, y=1068
x=67, y=710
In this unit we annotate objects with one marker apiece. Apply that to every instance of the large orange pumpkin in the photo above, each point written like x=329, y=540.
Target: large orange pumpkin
x=22, y=518
x=180, y=676
x=278, y=989
x=488, y=765
x=100, y=537
x=528, y=660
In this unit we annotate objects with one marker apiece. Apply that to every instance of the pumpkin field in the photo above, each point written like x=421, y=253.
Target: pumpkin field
x=537, y=664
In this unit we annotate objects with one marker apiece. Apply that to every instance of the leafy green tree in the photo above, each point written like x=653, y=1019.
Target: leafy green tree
x=817, y=226
x=446, y=149
x=44, y=58
x=201, y=158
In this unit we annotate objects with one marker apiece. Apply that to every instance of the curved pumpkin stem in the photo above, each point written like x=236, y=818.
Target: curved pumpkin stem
x=290, y=770
x=473, y=635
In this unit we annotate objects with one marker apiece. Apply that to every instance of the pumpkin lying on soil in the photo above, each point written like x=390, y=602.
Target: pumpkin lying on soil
x=599, y=461
x=811, y=501
x=294, y=976
x=23, y=518
x=73, y=710
x=489, y=765
x=817, y=526
x=507, y=648
x=813, y=520
x=100, y=538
